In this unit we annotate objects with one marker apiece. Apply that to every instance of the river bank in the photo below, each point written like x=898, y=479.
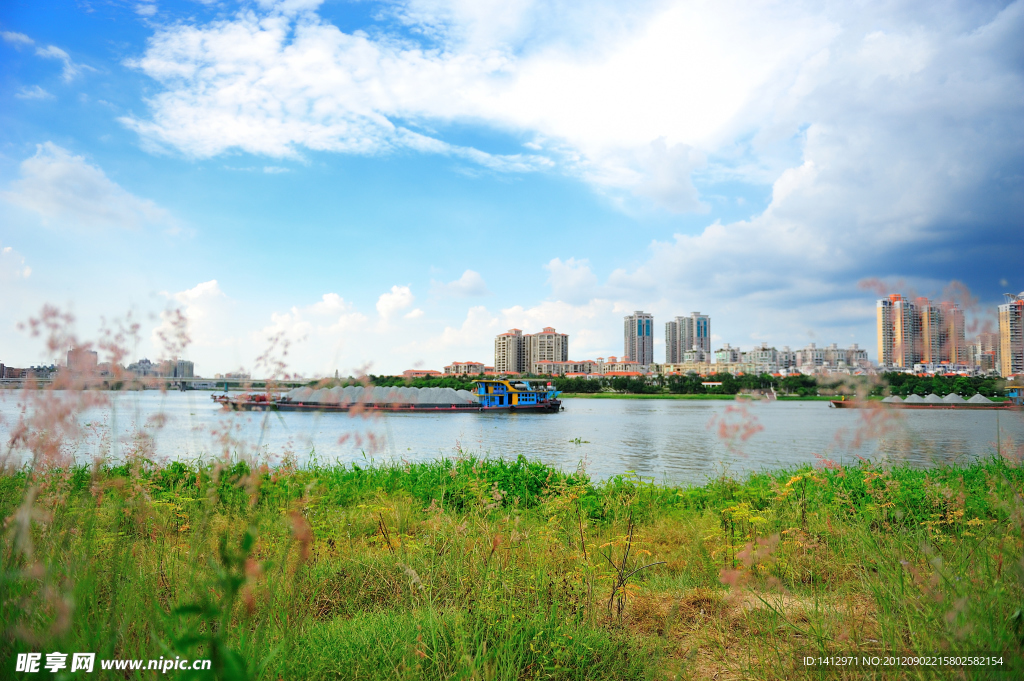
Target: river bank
x=703, y=396
x=475, y=568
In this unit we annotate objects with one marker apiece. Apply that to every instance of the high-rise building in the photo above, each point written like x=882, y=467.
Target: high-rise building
x=520, y=353
x=986, y=351
x=1011, y=335
x=956, y=341
x=932, y=331
x=546, y=346
x=510, y=352
x=919, y=332
x=82, y=361
x=639, y=339
x=683, y=334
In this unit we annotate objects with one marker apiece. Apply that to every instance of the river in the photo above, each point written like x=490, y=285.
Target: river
x=668, y=440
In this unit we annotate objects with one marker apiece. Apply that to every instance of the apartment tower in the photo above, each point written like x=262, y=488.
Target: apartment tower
x=1011, y=335
x=639, y=339
x=546, y=346
x=510, y=352
x=687, y=333
x=911, y=332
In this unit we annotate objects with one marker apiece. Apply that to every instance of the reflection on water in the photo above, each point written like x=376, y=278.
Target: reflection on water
x=675, y=440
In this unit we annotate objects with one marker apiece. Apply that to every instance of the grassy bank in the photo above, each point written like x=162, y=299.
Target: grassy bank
x=477, y=569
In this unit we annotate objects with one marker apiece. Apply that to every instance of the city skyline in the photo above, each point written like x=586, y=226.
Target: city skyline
x=356, y=185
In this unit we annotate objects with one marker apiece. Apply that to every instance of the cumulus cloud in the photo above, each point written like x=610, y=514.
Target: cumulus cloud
x=391, y=303
x=469, y=285
x=572, y=280
x=208, y=314
x=323, y=332
x=634, y=111
x=12, y=265
x=65, y=189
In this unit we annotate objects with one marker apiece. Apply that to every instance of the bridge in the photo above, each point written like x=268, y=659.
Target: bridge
x=170, y=382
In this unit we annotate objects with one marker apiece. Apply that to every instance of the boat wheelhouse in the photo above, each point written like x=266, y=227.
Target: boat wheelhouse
x=513, y=394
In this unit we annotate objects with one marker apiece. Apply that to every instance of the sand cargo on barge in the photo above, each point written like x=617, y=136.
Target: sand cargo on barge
x=490, y=395
x=933, y=401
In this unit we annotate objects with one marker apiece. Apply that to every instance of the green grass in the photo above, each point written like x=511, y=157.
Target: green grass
x=487, y=569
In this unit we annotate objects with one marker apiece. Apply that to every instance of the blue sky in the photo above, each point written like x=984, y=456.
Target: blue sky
x=389, y=184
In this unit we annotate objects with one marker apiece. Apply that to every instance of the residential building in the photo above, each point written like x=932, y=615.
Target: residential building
x=562, y=368
x=510, y=352
x=421, y=373
x=687, y=333
x=180, y=368
x=956, y=342
x=638, y=338
x=787, y=359
x=727, y=354
x=465, y=369
x=1011, y=335
x=144, y=368
x=898, y=332
x=546, y=346
x=683, y=368
x=516, y=352
x=919, y=331
x=985, y=351
x=621, y=365
x=766, y=359
x=82, y=361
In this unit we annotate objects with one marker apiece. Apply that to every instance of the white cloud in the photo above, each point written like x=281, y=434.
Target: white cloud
x=32, y=92
x=66, y=189
x=208, y=312
x=275, y=170
x=391, y=303
x=12, y=265
x=324, y=334
x=469, y=285
x=145, y=10
x=632, y=112
x=572, y=280
x=71, y=69
x=16, y=39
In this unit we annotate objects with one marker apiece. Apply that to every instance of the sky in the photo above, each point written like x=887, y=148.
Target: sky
x=388, y=185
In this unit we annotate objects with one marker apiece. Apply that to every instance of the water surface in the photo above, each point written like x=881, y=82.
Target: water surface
x=673, y=440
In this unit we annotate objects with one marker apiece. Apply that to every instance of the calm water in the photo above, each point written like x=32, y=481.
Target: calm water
x=673, y=440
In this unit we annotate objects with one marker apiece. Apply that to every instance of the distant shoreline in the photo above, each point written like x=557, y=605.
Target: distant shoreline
x=674, y=396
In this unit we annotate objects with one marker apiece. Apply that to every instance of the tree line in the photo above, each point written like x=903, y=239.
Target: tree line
x=797, y=385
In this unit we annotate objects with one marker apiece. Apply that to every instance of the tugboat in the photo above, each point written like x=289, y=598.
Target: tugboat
x=491, y=395
x=514, y=395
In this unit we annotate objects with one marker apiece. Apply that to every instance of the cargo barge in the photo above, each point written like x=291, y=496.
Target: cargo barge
x=508, y=395
x=933, y=401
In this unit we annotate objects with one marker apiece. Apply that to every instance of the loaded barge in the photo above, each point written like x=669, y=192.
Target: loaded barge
x=933, y=401
x=508, y=395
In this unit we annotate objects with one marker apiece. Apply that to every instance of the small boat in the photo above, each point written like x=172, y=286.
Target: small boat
x=511, y=395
